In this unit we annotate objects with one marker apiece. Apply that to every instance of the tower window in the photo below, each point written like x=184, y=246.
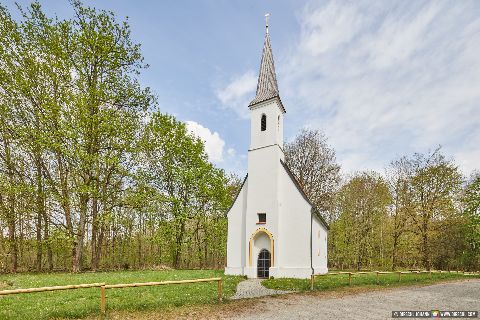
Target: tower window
x=263, y=122
x=262, y=218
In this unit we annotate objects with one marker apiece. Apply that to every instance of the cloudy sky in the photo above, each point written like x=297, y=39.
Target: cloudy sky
x=381, y=79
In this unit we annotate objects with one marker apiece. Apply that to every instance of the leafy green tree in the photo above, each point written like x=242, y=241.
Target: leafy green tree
x=360, y=233
x=399, y=176
x=471, y=211
x=189, y=188
x=435, y=184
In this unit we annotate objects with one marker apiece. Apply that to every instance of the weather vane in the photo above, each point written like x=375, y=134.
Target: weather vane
x=266, y=20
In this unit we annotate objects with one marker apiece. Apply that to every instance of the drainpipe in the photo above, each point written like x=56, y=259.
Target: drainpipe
x=311, y=231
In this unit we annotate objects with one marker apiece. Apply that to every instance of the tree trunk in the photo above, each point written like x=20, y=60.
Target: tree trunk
x=94, y=233
x=40, y=207
x=38, y=261
x=394, y=252
x=11, y=217
x=178, y=248
x=426, y=259
x=77, y=259
x=98, y=250
x=13, y=248
x=46, y=237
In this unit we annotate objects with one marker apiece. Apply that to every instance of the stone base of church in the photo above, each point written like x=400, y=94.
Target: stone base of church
x=276, y=272
x=285, y=272
x=234, y=271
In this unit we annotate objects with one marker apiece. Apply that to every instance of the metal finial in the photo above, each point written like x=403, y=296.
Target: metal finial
x=266, y=20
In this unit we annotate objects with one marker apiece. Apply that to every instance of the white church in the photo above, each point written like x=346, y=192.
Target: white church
x=273, y=228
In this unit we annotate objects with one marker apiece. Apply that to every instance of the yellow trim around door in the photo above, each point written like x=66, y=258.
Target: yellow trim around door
x=269, y=234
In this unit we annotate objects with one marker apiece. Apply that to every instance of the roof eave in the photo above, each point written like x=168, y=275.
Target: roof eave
x=238, y=193
x=254, y=103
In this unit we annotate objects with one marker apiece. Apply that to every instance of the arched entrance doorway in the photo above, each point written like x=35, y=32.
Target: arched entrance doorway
x=261, y=255
x=263, y=264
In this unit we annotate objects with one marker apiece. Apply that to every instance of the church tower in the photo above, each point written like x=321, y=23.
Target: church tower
x=265, y=154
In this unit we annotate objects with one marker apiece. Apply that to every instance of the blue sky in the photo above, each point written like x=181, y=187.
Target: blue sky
x=381, y=79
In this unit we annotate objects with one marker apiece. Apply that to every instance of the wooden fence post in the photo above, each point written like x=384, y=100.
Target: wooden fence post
x=399, y=275
x=349, y=278
x=219, y=290
x=377, y=276
x=103, y=304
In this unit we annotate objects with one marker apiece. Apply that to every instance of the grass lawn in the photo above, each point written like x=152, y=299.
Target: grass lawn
x=84, y=302
x=333, y=282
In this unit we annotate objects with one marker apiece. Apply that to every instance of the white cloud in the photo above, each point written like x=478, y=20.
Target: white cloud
x=236, y=94
x=385, y=79
x=231, y=152
x=214, y=144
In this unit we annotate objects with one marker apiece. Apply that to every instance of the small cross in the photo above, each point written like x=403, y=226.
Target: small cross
x=266, y=20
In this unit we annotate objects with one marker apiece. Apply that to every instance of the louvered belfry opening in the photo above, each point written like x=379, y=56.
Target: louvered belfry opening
x=263, y=125
x=263, y=264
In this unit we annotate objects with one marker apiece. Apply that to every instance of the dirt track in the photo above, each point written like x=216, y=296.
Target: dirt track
x=463, y=295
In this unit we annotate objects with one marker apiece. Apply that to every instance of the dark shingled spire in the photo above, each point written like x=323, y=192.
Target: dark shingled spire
x=267, y=87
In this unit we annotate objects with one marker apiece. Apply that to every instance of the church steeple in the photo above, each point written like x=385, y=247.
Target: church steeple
x=267, y=87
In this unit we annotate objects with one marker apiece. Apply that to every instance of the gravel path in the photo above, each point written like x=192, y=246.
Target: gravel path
x=464, y=295
x=252, y=288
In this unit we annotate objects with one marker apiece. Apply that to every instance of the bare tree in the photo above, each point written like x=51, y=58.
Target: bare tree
x=314, y=164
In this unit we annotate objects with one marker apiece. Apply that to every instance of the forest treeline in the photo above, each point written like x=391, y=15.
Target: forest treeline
x=420, y=213
x=93, y=177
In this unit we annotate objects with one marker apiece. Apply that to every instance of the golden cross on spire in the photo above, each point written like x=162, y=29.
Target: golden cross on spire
x=266, y=20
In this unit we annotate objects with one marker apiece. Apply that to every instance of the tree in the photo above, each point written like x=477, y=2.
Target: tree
x=313, y=163
x=471, y=211
x=360, y=235
x=188, y=187
x=435, y=184
x=399, y=176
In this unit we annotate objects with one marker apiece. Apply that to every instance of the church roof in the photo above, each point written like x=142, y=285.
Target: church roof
x=304, y=195
x=238, y=193
x=267, y=87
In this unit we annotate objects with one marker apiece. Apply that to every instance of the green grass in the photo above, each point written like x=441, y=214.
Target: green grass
x=84, y=302
x=334, y=282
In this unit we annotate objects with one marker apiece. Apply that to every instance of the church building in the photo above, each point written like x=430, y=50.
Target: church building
x=274, y=230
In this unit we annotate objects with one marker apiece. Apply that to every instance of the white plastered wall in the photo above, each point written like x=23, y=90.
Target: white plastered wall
x=262, y=198
x=319, y=246
x=294, y=225
x=236, y=234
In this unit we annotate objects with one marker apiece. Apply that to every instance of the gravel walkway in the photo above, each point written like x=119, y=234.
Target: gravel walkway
x=464, y=295
x=252, y=288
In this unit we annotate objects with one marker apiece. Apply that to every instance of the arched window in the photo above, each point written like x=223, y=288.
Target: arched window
x=264, y=123
x=278, y=123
